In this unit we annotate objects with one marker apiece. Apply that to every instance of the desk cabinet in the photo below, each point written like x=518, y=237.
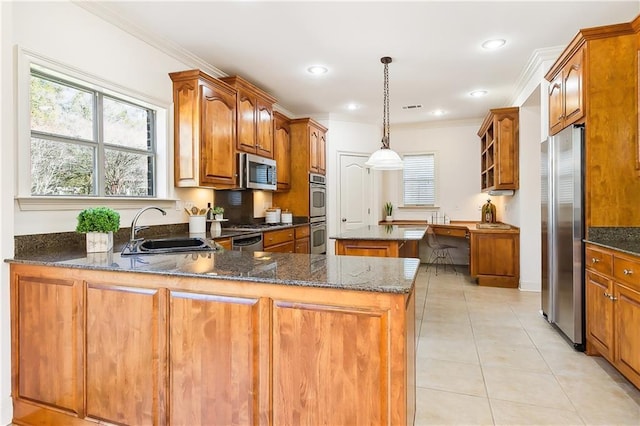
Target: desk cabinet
x=495, y=257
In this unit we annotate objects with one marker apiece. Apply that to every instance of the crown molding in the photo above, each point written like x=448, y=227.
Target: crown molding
x=102, y=11
x=530, y=71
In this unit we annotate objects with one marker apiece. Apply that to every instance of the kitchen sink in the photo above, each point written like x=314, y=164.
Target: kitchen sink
x=166, y=245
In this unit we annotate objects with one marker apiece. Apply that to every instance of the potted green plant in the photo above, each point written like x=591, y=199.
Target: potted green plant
x=388, y=209
x=99, y=223
x=218, y=212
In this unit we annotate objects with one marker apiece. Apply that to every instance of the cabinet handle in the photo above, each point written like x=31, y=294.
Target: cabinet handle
x=594, y=260
x=607, y=295
x=613, y=298
x=628, y=272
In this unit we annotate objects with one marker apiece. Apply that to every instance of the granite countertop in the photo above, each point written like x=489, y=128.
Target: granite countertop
x=383, y=232
x=377, y=274
x=624, y=239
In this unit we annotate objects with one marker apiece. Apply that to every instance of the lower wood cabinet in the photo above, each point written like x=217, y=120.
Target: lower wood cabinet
x=280, y=241
x=495, y=257
x=302, y=239
x=613, y=308
x=377, y=248
x=92, y=346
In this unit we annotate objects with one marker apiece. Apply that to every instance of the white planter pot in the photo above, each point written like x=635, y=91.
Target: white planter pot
x=219, y=216
x=99, y=242
x=389, y=218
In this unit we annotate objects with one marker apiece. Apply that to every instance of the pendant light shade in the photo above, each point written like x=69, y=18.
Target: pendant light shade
x=385, y=158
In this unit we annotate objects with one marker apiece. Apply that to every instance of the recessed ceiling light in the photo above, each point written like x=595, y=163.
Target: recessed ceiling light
x=317, y=70
x=352, y=106
x=494, y=44
x=478, y=93
x=438, y=112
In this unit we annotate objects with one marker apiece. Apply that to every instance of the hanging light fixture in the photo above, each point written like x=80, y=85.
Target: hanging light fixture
x=385, y=158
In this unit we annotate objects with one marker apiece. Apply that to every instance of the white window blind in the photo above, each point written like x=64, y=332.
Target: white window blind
x=419, y=180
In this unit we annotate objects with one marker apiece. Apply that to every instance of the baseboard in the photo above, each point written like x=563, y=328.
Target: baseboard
x=530, y=286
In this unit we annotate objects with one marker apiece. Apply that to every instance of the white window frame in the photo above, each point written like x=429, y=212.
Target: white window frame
x=164, y=195
x=433, y=206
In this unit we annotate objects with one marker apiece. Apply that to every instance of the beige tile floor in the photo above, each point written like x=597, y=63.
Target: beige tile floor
x=485, y=356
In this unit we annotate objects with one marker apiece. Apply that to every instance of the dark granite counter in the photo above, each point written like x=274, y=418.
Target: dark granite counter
x=383, y=232
x=624, y=239
x=386, y=275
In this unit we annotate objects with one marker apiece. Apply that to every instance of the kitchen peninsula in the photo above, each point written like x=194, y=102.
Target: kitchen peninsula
x=380, y=240
x=213, y=337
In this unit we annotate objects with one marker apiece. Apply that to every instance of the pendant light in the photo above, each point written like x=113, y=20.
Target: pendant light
x=385, y=158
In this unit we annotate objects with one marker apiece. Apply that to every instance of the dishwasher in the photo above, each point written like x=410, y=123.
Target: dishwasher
x=247, y=242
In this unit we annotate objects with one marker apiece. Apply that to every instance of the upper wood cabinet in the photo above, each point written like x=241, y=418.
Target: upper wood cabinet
x=204, y=130
x=566, y=95
x=596, y=78
x=309, y=142
x=282, y=150
x=255, y=117
x=499, y=149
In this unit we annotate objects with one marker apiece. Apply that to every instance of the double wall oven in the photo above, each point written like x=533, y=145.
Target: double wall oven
x=318, y=213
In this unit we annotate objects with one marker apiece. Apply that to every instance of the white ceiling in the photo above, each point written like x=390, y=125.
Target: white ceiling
x=435, y=46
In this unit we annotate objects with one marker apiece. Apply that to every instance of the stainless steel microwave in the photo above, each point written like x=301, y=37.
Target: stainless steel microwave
x=257, y=172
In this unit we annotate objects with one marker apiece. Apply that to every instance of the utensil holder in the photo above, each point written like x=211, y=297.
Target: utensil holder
x=197, y=224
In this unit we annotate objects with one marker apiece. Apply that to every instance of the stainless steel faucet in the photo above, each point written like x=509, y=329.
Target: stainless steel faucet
x=135, y=228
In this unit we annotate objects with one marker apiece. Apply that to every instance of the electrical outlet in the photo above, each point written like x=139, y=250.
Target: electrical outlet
x=179, y=205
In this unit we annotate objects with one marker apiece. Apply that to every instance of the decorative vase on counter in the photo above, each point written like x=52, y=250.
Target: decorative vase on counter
x=99, y=242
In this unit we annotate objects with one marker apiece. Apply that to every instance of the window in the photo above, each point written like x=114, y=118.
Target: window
x=419, y=180
x=85, y=142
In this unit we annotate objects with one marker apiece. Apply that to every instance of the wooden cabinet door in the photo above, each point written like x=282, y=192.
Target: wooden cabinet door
x=264, y=129
x=627, y=334
x=556, y=111
x=219, y=352
x=247, y=120
x=302, y=245
x=314, y=143
x=47, y=354
x=217, y=138
x=323, y=357
x=321, y=153
x=126, y=354
x=282, y=151
x=599, y=313
x=506, y=157
x=288, y=247
x=572, y=76
x=495, y=258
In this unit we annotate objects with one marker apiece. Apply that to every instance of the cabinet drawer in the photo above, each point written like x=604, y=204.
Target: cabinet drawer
x=598, y=260
x=302, y=231
x=288, y=247
x=626, y=270
x=277, y=237
x=450, y=232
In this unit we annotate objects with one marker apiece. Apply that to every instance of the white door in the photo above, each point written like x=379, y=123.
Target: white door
x=355, y=192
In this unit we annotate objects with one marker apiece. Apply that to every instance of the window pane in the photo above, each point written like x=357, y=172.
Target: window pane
x=60, y=109
x=59, y=168
x=128, y=174
x=419, y=180
x=126, y=124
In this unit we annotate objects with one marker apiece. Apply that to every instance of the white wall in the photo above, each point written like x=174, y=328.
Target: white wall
x=354, y=138
x=457, y=148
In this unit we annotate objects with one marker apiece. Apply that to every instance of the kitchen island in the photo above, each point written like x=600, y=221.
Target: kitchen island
x=213, y=338
x=381, y=241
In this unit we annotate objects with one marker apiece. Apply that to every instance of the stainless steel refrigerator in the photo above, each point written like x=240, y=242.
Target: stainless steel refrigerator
x=563, y=232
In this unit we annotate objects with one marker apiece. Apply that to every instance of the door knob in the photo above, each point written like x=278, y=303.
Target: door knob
x=344, y=219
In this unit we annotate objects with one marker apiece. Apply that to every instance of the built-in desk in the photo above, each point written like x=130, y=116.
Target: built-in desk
x=494, y=254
